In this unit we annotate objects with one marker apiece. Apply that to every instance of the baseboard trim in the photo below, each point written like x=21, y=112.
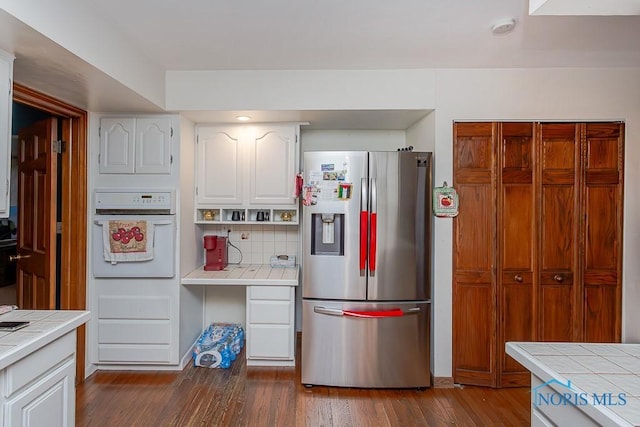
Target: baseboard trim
x=442, y=382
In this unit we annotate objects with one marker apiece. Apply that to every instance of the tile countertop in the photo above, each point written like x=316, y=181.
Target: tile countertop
x=244, y=275
x=592, y=369
x=45, y=327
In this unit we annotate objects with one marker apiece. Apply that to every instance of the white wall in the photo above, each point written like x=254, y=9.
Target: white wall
x=327, y=140
x=422, y=134
x=531, y=94
x=189, y=238
x=74, y=25
x=300, y=90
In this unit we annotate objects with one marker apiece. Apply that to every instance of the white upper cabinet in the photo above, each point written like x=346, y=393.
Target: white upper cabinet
x=135, y=145
x=220, y=165
x=6, y=95
x=246, y=165
x=116, y=145
x=272, y=165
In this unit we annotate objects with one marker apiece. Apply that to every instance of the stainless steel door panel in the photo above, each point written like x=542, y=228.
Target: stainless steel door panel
x=347, y=351
x=330, y=276
x=403, y=211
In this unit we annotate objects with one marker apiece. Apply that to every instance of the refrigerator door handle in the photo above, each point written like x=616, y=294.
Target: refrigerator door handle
x=371, y=314
x=364, y=220
x=368, y=314
x=329, y=311
x=373, y=241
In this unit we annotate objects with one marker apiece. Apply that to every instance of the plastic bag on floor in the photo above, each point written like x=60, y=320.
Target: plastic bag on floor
x=218, y=345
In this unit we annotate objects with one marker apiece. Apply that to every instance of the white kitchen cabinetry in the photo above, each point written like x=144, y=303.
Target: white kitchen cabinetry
x=40, y=388
x=270, y=325
x=135, y=145
x=135, y=329
x=246, y=168
x=220, y=165
x=272, y=164
x=6, y=96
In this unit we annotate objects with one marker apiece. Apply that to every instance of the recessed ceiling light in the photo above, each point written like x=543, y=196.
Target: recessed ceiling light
x=243, y=118
x=503, y=26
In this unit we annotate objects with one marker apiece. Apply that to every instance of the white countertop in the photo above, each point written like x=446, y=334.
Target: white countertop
x=591, y=368
x=244, y=275
x=45, y=327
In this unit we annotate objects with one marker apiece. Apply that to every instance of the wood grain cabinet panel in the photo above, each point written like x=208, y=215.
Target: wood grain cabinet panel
x=474, y=233
x=537, y=243
x=602, y=256
x=516, y=244
x=558, y=230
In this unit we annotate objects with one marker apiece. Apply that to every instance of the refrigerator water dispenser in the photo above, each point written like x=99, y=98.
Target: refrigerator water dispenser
x=327, y=234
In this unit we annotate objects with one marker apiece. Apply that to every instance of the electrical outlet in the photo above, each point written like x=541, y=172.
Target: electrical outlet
x=245, y=236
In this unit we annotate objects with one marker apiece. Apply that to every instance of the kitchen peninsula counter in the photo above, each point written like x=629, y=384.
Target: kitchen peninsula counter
x=582, y=383
x=45, y=326
x=38, y=367
x=244, y=275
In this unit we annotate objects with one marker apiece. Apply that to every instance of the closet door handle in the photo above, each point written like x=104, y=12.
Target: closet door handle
x=518, y=278
x=558, y=278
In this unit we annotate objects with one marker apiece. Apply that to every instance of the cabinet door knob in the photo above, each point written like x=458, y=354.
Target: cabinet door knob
x=14, y=258
x=558, y=278
x=518, y=278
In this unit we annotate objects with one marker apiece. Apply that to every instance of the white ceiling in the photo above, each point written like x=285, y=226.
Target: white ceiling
x=367, y=34
x=328, y=34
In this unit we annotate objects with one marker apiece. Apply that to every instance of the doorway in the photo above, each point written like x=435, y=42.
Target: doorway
x=23, y=118
x=70, y=241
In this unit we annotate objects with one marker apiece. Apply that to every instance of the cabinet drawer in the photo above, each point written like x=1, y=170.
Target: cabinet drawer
x=270, y=342
x=134, y=353
x=270, y=292
x=134, y=307
x=273, y=312
x=134, y=331
x=40, y=362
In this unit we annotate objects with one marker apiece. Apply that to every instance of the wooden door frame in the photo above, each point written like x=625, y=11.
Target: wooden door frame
x=73, y=251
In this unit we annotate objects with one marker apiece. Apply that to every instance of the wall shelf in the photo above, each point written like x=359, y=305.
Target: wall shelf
x=225, y=215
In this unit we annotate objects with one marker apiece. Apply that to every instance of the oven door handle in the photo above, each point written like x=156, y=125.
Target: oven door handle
x=115, y=218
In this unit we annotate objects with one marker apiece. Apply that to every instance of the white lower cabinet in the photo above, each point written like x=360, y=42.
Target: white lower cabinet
x=135, y=329
x=270, y=326
x=39, y=390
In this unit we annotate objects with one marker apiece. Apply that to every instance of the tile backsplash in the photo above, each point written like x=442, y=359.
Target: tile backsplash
x=258, y=243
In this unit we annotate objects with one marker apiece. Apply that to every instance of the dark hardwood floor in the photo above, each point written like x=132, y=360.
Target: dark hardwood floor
x=250, y=396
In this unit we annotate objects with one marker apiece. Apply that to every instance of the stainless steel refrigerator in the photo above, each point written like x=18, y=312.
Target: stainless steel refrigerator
x=366, y=281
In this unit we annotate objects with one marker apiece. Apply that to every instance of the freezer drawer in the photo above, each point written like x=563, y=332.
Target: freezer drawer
x=352, y=344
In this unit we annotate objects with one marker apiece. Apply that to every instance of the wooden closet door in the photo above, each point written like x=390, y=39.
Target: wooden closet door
x=603, y=205
x=517, y=239
x=558, y=301
x=474, y=297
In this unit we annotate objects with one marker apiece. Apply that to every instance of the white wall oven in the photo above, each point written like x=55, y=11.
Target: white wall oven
x=133, y=233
